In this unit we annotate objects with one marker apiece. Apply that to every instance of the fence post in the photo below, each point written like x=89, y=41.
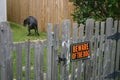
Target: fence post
x=75, y=40
x=49, y=52
x=64, y=74
x=107, y=54
x=5, y=52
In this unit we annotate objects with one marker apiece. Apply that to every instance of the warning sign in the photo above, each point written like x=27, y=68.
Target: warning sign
x=80, y=50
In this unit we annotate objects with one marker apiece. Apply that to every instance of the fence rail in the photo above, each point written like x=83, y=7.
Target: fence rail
x=50, y=60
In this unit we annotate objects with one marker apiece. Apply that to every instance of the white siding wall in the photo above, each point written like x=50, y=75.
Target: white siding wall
x=3, y=13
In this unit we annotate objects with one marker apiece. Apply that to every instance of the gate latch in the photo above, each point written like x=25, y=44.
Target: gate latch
x=61, y=59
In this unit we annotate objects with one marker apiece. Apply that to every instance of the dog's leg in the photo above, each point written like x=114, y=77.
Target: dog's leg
x=36, y=31
x=29, y=32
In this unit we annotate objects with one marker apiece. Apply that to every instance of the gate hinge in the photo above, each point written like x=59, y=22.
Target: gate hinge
x=115, y=36
x=113, y=75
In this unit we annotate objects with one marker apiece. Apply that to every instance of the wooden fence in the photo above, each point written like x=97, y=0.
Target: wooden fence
x=39, y=60
x=46, y=11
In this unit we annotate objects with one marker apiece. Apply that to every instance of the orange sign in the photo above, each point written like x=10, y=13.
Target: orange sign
x=80, y=50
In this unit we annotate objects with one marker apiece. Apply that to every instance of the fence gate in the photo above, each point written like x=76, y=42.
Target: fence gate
x=104, y=60
x=66, y=56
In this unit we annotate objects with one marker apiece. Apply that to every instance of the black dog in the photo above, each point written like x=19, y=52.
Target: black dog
x=32, y=24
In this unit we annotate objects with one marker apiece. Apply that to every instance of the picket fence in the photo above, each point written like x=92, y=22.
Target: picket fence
x=50, y=59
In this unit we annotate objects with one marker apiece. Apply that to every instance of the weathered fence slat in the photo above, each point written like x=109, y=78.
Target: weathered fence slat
x=88, y=37
x=19, y=61
x=5, y=53
x=36, y=55
x=113, y=52
x=64, y=75
x=80, y=64
x=10, y=49
x=55, y=52
x=75, y=40
x=101, y=47
x=38, y=61
x=107, y=61
x=49, y=52
x=96, y=49
x=27, y=68
x=118, y=51
x=41, y=62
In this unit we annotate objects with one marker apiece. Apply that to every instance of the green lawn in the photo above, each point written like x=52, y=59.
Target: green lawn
x=20, y=33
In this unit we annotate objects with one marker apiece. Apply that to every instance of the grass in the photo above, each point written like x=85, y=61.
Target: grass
x=20, y=33
x=24, y=63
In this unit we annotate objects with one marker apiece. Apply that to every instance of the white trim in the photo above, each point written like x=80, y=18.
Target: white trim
x=3, y=11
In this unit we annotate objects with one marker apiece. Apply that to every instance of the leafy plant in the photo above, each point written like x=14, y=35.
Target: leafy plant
x=97, y=9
